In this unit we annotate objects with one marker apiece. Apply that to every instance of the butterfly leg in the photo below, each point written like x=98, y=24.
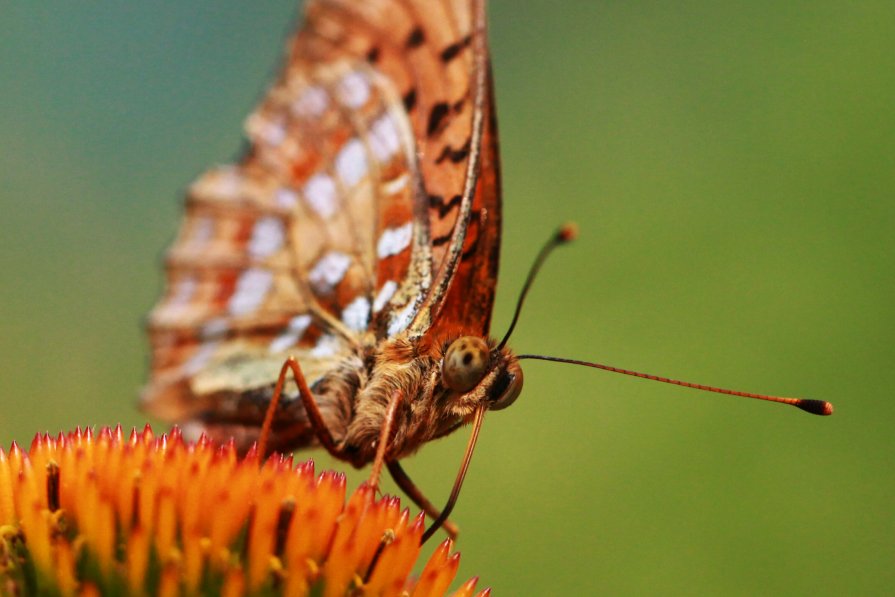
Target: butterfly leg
x=384, y=435
x=307, y=399
x=414, y=493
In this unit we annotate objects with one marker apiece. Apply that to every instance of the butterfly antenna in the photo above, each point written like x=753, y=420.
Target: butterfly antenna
x=564, y=234
x=815, y=407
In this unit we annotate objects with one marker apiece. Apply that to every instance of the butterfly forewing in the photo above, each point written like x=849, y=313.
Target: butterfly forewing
x=327, y=236
x=467, y=306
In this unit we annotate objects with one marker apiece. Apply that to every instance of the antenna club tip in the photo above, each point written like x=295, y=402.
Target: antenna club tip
x=816, y=407
x=567, y=232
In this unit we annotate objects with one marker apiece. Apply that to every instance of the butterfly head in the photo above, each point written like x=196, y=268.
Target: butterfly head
x=481, y=372
x=485, y=372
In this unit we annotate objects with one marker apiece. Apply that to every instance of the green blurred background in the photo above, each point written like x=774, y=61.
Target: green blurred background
x=731, y=168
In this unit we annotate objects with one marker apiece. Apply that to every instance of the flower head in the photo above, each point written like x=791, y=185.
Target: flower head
x=86, y=513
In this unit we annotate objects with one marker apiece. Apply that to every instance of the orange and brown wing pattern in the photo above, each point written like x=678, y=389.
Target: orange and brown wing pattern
x=329, y=233
x=454, y=121
x=467, y=305
x=431, y=52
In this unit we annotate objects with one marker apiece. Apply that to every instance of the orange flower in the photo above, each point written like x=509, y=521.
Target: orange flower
x=100, y=514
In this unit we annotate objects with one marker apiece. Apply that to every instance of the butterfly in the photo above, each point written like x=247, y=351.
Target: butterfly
x=334, y=287
x=357, y=240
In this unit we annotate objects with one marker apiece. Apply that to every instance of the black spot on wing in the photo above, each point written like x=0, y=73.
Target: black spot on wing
x=373, y=55
x=415, y=39
x=438, y=202
x=454, y=155
x=475, y=218
x=436, y=117
x=453, y=50
x=410, y=100
x=441, y=240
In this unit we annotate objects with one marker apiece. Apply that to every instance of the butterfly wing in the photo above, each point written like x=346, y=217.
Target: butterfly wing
x=429, y=52
x=467, y=304
x=450, y=101
x=329, y=234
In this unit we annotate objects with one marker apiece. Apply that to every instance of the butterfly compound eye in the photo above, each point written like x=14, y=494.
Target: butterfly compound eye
x=465, y=363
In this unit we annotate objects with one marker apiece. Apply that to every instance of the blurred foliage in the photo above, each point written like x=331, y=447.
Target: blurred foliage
x=731, y=168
